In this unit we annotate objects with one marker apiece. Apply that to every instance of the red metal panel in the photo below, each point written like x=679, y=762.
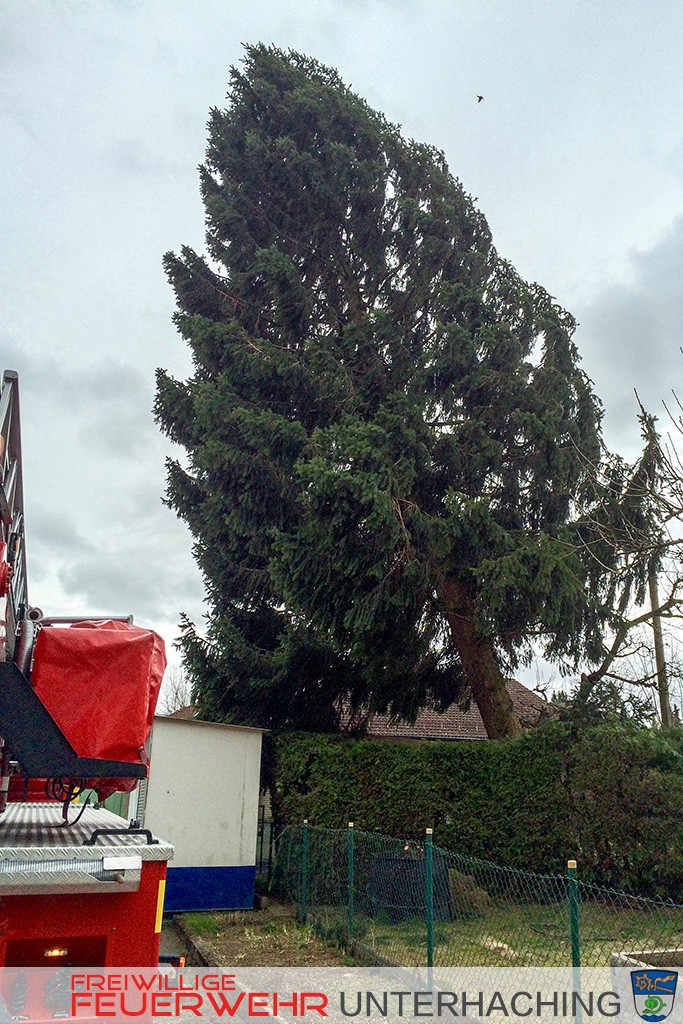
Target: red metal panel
x=123, y=925
x=27, y=790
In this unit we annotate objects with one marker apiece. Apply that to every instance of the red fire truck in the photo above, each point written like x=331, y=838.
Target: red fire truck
x=79, y=886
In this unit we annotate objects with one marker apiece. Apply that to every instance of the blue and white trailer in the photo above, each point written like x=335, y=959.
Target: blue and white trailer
x=203, y=793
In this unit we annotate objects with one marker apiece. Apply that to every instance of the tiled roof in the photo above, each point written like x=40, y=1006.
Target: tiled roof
x=451, y=724
x=454, y=723
x=188, y=712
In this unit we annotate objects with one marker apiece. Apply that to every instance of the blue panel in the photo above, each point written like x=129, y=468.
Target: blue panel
x=209, y=889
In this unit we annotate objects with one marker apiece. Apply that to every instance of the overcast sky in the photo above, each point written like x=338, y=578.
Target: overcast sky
x=575, y=156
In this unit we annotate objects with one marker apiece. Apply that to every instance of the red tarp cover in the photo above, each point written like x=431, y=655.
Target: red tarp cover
x=100, y=682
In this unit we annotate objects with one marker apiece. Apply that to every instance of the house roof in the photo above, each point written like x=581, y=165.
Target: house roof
x=454, y=723
x=185, y=713
x=451, y=724
x=189, y=714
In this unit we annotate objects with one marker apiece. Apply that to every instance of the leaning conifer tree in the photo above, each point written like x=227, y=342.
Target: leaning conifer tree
x=389, y=437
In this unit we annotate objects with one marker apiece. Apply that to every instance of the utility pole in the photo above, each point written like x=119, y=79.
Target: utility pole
x=660, y=661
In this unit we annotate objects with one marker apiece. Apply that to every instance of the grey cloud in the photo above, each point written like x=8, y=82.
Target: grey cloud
x=129, y=6
x=134, y=156
x=52, y=537
x=54, y=531
x=146, y=496
x=630, y=337
x=109, y=583
x=106, y=381
x=131, y=556
x=126, y=435
x=120, y=421
x=32, y=370
x=112, y=401
x=141, y=578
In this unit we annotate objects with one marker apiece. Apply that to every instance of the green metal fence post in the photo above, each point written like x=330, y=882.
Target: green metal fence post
x=303, y=888
x=429, y=880
x=575, y=930
x=351, y=885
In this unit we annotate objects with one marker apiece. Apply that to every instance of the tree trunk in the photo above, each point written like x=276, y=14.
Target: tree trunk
x=479, y=664
x=660, y=657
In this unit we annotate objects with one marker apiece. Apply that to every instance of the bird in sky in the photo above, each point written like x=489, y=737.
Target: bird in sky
x=479, y=99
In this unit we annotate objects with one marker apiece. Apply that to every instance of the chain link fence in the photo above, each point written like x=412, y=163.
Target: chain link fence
x=413, y=904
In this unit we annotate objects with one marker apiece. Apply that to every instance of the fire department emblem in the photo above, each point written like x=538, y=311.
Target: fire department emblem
x=654, y=993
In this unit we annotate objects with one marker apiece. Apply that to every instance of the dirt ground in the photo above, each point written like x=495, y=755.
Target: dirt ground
x=270, y=937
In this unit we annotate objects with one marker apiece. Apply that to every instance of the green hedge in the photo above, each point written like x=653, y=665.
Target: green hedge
x=610, y=797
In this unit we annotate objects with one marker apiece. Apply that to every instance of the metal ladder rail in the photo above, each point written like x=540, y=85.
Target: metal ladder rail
x=12, y=511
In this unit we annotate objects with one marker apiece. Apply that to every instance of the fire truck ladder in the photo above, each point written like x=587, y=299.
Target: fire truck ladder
x=31, y=736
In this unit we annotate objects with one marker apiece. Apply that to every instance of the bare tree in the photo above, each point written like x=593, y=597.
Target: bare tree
x=176, y=690
x=635, y=526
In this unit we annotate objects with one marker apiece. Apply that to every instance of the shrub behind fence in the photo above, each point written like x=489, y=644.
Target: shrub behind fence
x=613, y=793
x=413, y=904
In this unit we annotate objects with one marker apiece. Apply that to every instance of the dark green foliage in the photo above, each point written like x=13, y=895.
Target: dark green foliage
x=467, y=899
x=627, y=802
x=388, y=432
x=611, y=797
x=604, y=701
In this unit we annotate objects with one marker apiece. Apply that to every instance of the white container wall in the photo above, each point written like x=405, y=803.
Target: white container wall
x=202, y=794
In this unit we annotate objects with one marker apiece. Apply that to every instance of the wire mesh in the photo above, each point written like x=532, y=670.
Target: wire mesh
x=482, y=914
